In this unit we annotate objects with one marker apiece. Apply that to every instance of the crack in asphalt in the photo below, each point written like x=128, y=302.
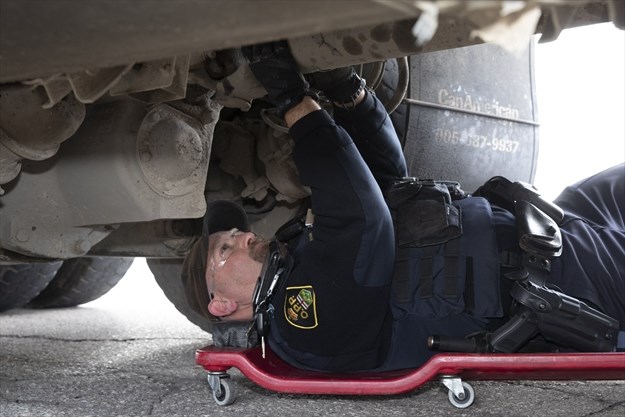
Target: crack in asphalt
x=537, y=384
x=608, y=407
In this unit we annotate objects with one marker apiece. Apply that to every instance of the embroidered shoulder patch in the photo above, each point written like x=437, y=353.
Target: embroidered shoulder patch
x=299, y=307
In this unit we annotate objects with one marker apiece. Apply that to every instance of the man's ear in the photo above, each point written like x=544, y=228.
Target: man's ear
x=222, y=307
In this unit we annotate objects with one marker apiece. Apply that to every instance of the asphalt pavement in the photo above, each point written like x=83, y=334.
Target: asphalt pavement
x=132, y=354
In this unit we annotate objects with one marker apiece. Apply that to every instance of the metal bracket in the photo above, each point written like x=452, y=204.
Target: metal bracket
x=454, y=384
x=214, y=381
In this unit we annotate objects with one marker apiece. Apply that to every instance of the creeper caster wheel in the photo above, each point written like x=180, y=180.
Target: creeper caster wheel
x=224, y=389
x=460, y=394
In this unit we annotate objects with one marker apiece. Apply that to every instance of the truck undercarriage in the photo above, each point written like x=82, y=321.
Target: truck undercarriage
x=120, y=119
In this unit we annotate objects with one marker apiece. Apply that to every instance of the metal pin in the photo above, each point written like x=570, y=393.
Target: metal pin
x=262, y=345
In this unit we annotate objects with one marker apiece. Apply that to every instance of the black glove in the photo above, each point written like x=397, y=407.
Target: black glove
x=274, y=67
x=340, y=85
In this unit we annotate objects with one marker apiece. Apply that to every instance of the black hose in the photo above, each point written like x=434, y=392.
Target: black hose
x=403, y=78
x=475, y=344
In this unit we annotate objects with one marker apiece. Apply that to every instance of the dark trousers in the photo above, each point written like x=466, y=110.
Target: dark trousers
x=592, y=264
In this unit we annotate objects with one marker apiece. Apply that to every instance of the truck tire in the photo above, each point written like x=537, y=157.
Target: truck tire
x=21, y=283
x=167, y=275
x=392, y=89
x=81, y=280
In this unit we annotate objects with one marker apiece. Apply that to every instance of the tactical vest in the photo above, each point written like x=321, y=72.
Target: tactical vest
x=458, y=275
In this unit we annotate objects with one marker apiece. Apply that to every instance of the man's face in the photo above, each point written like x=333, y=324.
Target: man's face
x=234, y=263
